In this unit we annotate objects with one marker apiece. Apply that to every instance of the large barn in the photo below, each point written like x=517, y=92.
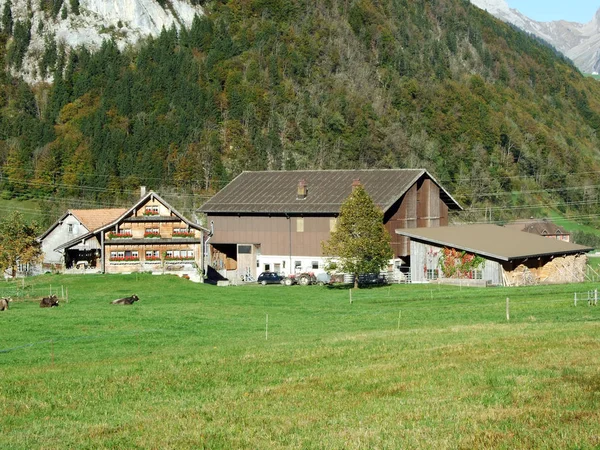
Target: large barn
x=275, y=221
x=508, y=257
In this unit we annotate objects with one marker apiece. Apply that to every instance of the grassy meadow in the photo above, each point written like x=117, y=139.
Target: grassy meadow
x=197, y=366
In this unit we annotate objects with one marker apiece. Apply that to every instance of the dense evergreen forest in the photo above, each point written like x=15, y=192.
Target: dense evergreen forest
x=501, y=119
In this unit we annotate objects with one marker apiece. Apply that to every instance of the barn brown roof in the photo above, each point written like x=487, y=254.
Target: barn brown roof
x=493, y=241
x=95, y=218
x=273, y=192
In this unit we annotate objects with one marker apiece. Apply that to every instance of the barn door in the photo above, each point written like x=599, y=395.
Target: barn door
x=246, y=256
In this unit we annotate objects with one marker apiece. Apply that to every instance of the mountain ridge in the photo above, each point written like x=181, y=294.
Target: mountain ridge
x=579, y=42
x=498, y=117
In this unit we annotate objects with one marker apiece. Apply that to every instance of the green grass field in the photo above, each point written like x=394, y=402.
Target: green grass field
x=195, y=366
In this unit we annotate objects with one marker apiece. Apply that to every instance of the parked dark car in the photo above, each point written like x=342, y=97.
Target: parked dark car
x=367, y=279
x=270, y=278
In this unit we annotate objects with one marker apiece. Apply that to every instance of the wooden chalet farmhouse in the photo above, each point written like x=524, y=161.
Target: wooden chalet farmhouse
x=508, y=257
x=275, y=221
x=150, y=236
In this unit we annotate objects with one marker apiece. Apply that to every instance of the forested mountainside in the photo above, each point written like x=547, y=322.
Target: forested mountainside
x=499, y=118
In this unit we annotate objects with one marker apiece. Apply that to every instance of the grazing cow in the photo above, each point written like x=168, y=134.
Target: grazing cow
x=49, y=302
x=4, y=303
x=125, y=300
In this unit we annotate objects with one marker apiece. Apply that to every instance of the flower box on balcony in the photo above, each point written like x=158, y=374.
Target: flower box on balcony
x=180, y=234
x=152, y=258
x=179, y=258
x=124, y=259
x=117, y=235
x=150, y=213
x=152, y=235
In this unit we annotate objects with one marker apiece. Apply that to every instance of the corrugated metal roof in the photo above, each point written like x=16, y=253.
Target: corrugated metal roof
x=493, y=241
x=95, y=218
x=276, y=191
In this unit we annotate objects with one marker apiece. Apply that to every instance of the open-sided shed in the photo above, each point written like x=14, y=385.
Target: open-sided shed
x=507, y=257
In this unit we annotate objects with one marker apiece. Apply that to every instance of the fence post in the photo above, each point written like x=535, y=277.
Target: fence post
x=575, y=299
x=507, y=309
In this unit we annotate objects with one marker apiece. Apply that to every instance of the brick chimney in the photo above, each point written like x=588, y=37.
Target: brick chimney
x=302, y=190
x=142, y=191
x=355, y=183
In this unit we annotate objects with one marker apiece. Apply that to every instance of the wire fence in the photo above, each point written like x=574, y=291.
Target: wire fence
x=364, y=310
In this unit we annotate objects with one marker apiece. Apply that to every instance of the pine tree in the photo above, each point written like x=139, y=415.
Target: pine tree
x=360, y=242
x=7, y=18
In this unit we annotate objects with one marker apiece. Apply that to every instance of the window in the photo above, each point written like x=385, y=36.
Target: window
x=70, y=228
x=244, y=249
x=431, y=274
x=300, y=224
x=152, y=255
x=267, y=267
x=315, y=264
x=297, y=264
x=277, y=267
x=476, y=274
x=151, y=210
x=152, y=232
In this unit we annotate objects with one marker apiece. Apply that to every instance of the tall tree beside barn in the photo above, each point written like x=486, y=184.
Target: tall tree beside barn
x=360, y=242
x=18, y=243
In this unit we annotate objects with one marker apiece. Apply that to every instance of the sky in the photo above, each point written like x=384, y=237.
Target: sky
x=581, y=11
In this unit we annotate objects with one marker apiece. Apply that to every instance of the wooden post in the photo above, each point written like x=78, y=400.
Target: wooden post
x=507, y=309
x=350, y=295
x=267, y=329
x=575, y=300
x=595, y=297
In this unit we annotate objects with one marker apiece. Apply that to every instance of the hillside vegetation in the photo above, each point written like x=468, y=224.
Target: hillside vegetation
x=500, y=118
x=400, y=367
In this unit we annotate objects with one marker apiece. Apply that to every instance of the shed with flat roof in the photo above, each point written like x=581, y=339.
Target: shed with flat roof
x=509, y=257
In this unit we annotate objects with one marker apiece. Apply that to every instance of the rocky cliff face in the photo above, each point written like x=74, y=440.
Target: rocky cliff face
x=89, y=22
x=579, y=42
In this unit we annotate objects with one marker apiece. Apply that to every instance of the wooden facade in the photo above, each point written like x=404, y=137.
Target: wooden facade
x=289, y=235
x=421, y=206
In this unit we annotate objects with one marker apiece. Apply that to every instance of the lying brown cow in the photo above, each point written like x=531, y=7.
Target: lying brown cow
x=49, y=302
x=125, y=300
x=4, y=303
